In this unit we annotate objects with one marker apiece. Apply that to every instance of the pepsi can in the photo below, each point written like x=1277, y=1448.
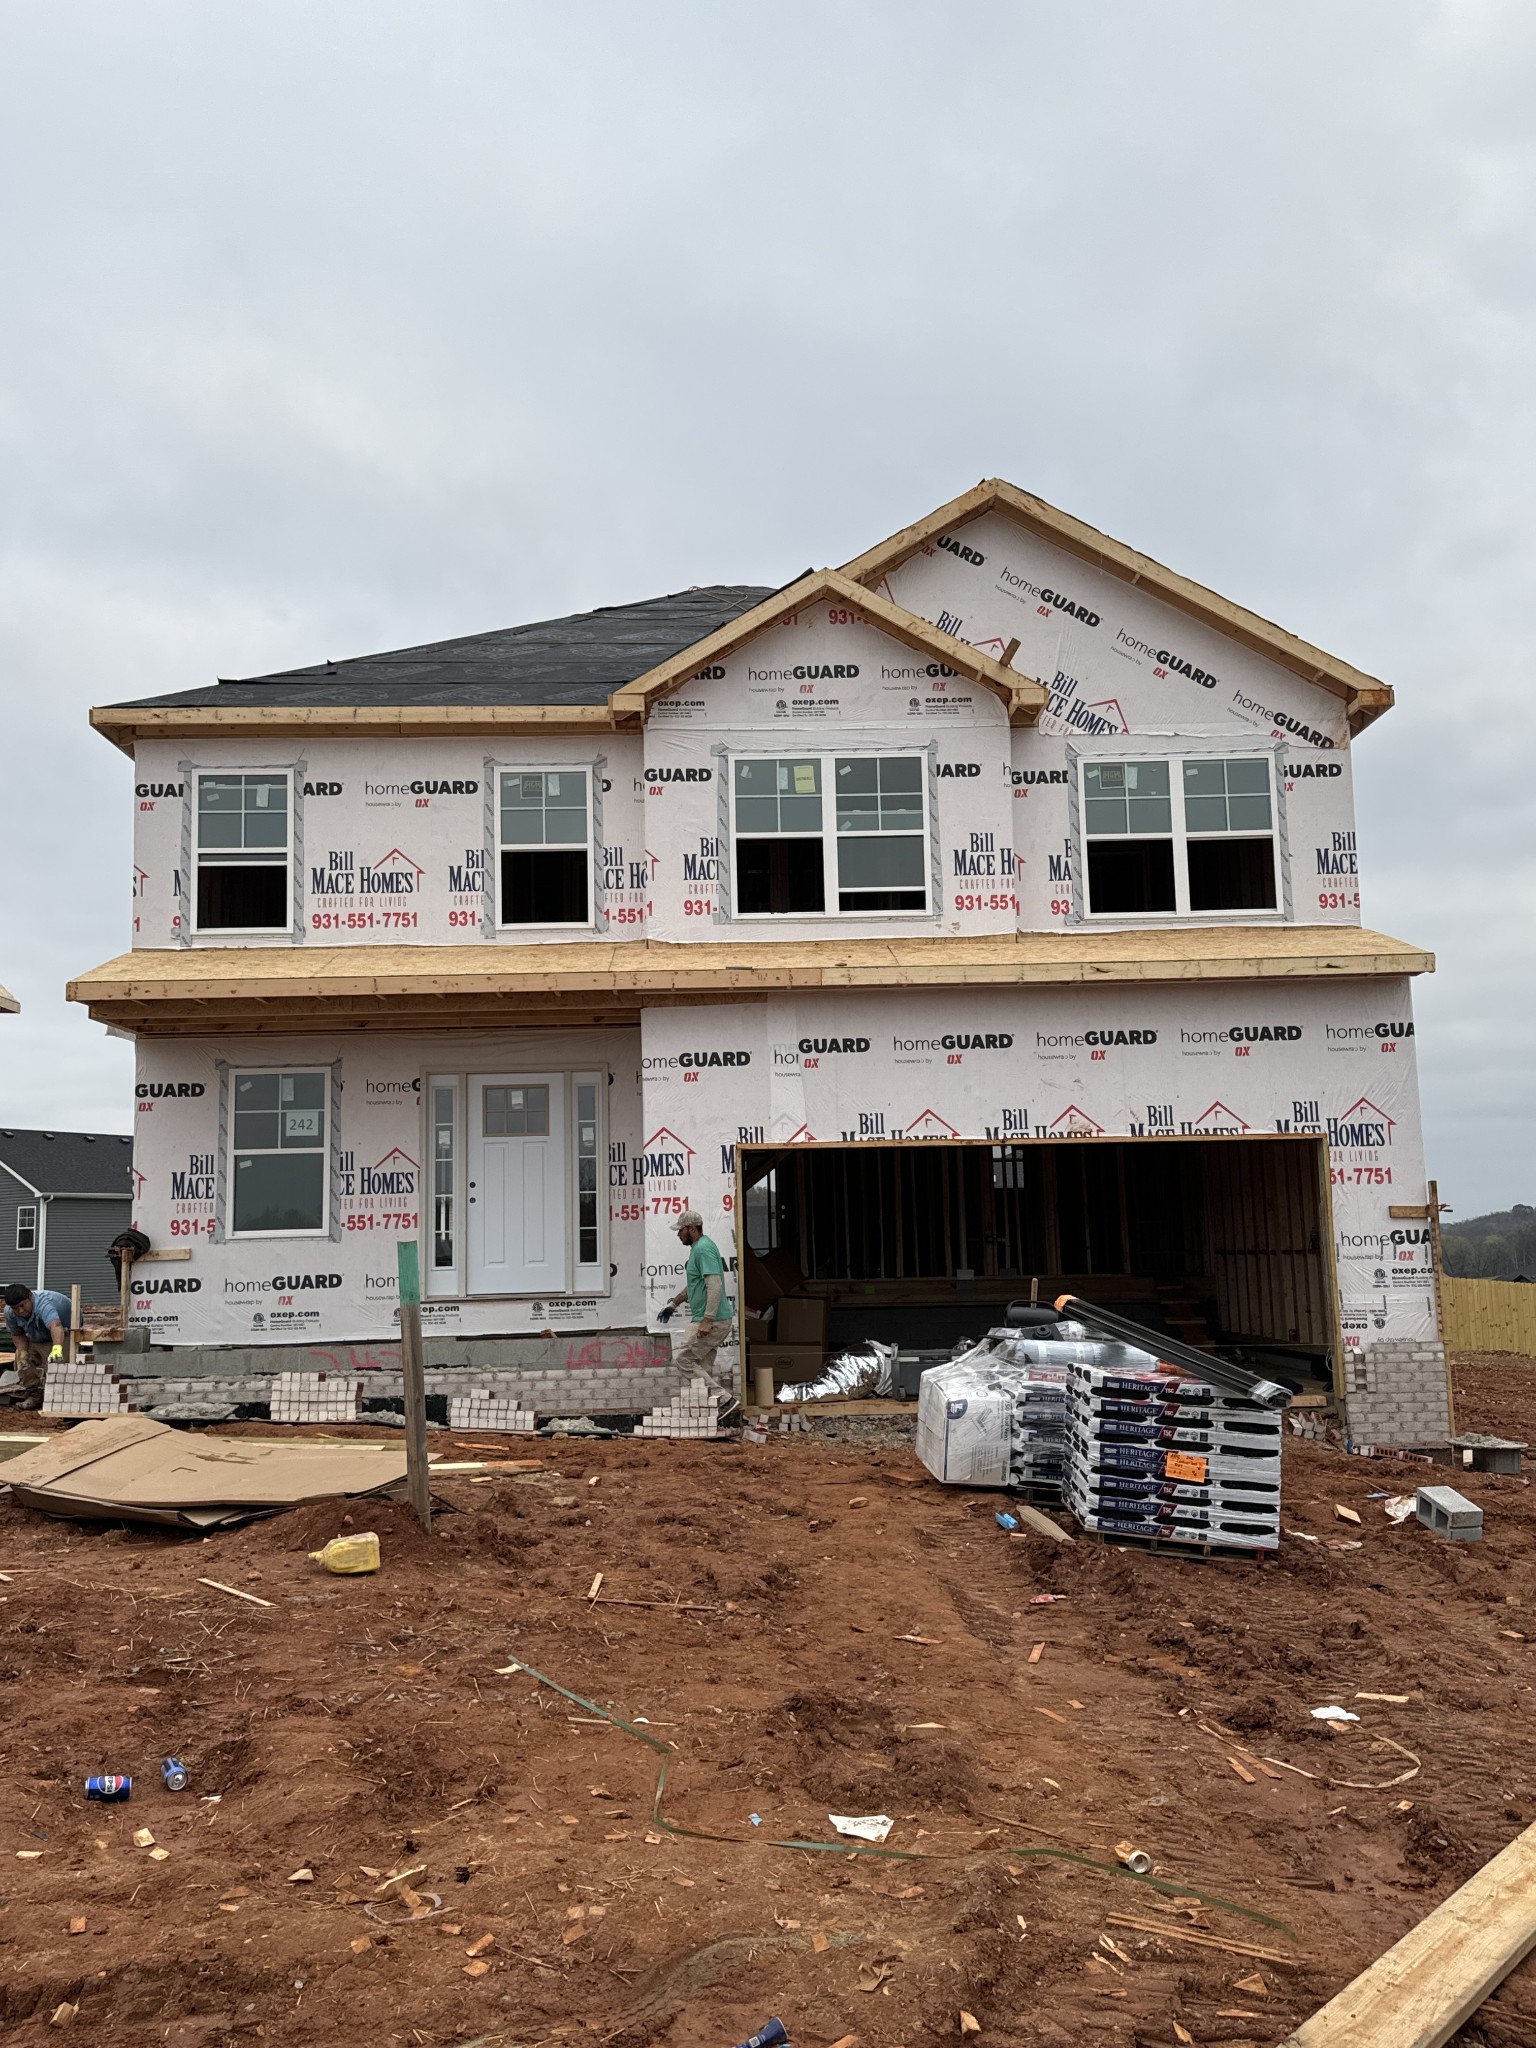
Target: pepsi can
x=174, y=1772
x=109, y=1789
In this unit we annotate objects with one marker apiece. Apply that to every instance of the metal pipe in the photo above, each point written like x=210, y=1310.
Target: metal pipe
x=1232, y=1379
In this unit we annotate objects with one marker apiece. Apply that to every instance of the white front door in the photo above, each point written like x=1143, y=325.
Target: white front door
x=517, y=1190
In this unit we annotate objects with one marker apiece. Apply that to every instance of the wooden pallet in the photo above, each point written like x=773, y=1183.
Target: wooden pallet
x=1164, y=1546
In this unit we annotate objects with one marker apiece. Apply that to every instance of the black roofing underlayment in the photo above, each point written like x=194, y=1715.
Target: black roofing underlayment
x=576, y=660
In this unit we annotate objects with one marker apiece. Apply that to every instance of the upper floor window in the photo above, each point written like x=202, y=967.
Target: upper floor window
x=244, y=848
x=1177, y=837
x=546, y=847
x=26, y=1226
x=814, y=831
x=279, y=1155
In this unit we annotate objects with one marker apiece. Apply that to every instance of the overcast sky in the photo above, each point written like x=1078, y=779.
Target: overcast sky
x=334, y=325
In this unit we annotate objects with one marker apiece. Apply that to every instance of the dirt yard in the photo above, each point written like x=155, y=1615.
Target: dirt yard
x=813, y=1629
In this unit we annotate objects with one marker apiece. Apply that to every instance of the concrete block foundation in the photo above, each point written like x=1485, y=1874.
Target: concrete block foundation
x=485, y=1382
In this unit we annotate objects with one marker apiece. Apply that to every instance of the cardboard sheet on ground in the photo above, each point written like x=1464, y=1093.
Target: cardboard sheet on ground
x=132, y=1469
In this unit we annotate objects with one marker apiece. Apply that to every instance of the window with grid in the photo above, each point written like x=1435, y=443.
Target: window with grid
x=278, y=1151
x=244, y=853
x=26, y=1227
x=546, y=849
x=1179, y=837
x=795, y=854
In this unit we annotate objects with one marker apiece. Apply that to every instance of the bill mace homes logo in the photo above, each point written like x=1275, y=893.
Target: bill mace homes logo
x=665, y=1156
x=394, y=1174
x=1218, y=1122
x=1363, y=1127
x=395, y=874
x=1072, y=1123
x=930, y=1125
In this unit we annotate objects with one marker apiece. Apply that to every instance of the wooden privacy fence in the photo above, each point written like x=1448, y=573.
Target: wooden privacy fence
x=1489, y=1315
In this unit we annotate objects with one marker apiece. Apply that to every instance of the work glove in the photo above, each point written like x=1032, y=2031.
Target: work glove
x=667, y=1314
x=56, y=1354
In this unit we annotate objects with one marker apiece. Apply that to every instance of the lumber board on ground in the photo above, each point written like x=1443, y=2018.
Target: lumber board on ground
x=1430, y=1983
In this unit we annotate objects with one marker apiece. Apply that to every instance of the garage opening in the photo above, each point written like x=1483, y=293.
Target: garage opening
x=1224, y=1242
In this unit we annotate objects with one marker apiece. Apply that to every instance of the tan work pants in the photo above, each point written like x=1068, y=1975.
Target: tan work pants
x=697, y=1354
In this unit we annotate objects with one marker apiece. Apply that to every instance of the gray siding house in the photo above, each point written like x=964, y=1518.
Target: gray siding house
x=64, y=1196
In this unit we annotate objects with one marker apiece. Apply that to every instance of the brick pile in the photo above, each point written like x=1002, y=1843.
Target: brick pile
x=695, y=1411
x=314, y=1397
x=480, y=1408
x=83, y=1388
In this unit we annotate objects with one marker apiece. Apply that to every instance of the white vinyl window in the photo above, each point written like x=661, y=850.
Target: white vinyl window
x=26, y=1227
x=1179, y=837
x=545, y=846
x=819, y=834
x=279, y=1153
x=244, y=849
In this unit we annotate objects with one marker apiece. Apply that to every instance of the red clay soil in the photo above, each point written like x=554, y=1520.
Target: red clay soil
x=850, y=1638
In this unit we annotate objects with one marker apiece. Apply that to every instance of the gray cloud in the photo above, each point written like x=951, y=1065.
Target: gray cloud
x=336, y=328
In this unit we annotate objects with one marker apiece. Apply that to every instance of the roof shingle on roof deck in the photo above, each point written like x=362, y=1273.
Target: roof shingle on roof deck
x=70, y=1162
x=580, y=659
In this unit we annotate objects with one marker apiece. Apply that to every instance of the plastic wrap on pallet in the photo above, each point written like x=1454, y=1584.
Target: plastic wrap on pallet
x=1102, y=1351
x=965, y=1424
x=854, y=1375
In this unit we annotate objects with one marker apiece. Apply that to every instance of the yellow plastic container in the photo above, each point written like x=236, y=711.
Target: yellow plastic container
x=358, y=1553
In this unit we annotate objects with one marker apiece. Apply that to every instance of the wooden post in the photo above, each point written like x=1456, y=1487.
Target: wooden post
x=124, y=1290
x=417, y=1482
x=72, y=1348
x=1437, y=1251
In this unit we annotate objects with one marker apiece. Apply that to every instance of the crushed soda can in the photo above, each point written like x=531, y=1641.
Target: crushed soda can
x=111, y=1790
x=175, y=1774
x=770, y=2036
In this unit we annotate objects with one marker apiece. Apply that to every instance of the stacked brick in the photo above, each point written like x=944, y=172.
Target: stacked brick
x=1396, y=1395
x=480, y=1408
x=314, y=1397
x=82, y=1387
x=693, y=1412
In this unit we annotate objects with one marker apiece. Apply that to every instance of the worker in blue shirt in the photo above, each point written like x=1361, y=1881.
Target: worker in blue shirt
x=39, y=1325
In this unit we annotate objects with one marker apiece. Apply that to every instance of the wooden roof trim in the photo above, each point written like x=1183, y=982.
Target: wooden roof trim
x=8, y=1004
x=357, y=983
x=1366, y=696
x=1024, y=696
x=126, y=725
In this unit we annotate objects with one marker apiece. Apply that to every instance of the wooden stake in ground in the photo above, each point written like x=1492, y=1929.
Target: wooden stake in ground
x=1422, y=1991
x=418, y=1484
x=72, y=1351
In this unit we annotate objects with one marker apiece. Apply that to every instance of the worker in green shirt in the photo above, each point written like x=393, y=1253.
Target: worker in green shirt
x=709, y=1306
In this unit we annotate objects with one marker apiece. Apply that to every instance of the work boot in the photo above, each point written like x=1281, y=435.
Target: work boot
x=33, y=1401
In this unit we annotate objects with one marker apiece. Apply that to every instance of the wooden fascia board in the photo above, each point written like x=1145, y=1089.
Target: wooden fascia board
x=887, y=555
x=1366, y=695
x=1019, y=693
x=151, y=1002
x=126, y=726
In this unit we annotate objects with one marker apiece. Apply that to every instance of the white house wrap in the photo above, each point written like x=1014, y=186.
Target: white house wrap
x=1002, y=838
